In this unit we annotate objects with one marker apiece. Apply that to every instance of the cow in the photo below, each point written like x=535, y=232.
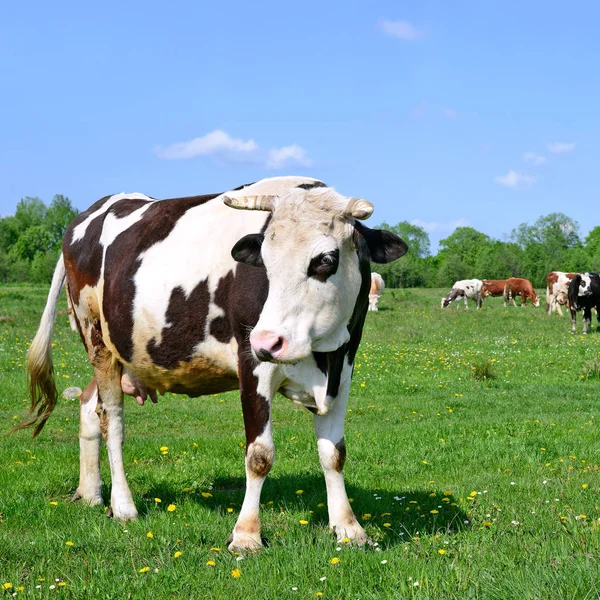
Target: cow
x=492, y=287
x=377, y=287
x=189, y=296
x=584, y=294
x=517, y=286
x=557, y=289
x=466, y=288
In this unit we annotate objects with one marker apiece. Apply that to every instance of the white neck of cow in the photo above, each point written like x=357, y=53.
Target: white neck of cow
x=308, y=313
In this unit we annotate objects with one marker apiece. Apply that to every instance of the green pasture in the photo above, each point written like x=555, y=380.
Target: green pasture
x=473, y=462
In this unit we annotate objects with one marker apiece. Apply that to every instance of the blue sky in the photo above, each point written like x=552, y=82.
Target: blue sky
x=440, y=113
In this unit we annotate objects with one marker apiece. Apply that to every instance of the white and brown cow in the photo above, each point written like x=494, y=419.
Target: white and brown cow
x=517, y=286
x=465, y=288
x=189, y=296
x=492, y=287
x=557, y=290
x=377, y=287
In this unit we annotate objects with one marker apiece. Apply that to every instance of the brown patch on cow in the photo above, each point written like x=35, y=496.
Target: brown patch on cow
x=339, y=457
x=249, y=525
x=125, y=207
x=186, y=322
x=122, y=263
x=259, y=460
x=220, y=327
x=493, y=287
x=103, y=416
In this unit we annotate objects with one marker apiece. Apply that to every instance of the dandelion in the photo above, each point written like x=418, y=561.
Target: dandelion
x=144, y=570
x=62, y=583
x=6, y=586
x=299, y=492
x=319, y=594
x=335, y=560
x=441, y=551
x=177, y=554
x=164, y=448
x=206, y=495
x=54, y=503
x=172, y=508
x=387, y=524
x=150, y=535
x=346, y=540
x=434, y=511
x=68, y=543
x=215, y=549
x=211, y=563
x=230, y=510
x=303, y=522
x=584, y=486
x=157, y=500
x=236, y=573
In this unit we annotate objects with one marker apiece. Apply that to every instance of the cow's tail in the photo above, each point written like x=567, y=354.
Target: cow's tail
x=42, y=388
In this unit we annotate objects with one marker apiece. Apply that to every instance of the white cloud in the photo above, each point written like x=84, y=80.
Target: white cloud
x=450, y=112
x=534, y=158
x=282, y=157
x=403, y=30
x=515, y=180
x=436, y=227
x=215, y=142
x=561, y=147
x=225, y=149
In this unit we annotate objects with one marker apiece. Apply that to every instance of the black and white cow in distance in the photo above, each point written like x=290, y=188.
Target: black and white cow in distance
x=465, y=288
x=189, y=296
x=584, y=294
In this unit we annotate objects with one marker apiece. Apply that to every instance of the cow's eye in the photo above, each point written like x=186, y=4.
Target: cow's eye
x=324, y=265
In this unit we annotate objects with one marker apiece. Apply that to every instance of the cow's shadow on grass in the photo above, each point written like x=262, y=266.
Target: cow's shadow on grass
x=390, y=516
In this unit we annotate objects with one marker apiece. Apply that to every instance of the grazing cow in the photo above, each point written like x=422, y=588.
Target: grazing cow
x=466, y=288
x=377, y=287
x=517, y=286
x=493, y=287
x=188, y=296
x=584, y=294
x=557, y=289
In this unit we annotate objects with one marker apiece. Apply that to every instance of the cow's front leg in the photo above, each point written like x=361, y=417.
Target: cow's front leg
x=90, y=439
x=466, y=302
x=256, y=390
x=332, y=454
x=587, y=319
x=573, y=320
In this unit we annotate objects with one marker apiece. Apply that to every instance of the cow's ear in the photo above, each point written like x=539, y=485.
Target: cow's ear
x=384, y=246
x=247, y=250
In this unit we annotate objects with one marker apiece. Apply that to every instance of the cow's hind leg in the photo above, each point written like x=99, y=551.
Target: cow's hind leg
x=332, y=454
x=573, y=320
x=256, y=390
x=90, y=439
x=587, y=319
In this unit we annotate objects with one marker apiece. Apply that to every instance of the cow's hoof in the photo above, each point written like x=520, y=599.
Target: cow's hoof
x=123, y=512
x=91, y=499
x=244, y=542
x=352, y=534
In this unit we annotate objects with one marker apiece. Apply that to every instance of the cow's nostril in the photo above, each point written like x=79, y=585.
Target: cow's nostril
x=278, y=345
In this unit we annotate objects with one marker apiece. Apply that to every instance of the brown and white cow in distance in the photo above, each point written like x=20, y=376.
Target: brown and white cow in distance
x=557, y=290
x=377, y=287
x=492, y=287
x=465, y=288
x=517, y=286
x=189, y=296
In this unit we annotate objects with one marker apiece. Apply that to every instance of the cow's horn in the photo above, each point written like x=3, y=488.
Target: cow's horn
x=359, y=208
x=250, y=202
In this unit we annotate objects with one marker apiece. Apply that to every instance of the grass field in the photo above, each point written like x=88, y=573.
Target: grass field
x=473, y=461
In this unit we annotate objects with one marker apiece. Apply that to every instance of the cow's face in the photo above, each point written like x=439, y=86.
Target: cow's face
x=585, y=285
x=316, y=256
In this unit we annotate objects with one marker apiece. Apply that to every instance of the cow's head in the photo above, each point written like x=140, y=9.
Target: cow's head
x=585, y=285
x=317, y=256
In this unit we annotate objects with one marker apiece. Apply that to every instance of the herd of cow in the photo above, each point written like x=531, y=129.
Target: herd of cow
x=579, y=291
x=189, y=296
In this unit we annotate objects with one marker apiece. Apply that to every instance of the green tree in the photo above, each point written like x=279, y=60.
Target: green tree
x=32, y=241
x=30, y=212
x=58, y=216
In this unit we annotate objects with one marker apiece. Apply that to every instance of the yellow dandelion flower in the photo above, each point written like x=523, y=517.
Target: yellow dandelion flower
x=164, y=448
x=346, y=540
x=447, y=493
x=230, y=510
x=21, y=588
x=144, y=569
x=387, y=524
x=320, y=505
x=68, y=543
x=62, y=583
x=299, y=492
x=206, y=495
x=177, y=554
x=487, y=524
x=172, y=507
x=434, y=511
x=441, y=552
x=584, y=486
x=215, y=549
x=157, y=500
x=150, y=535
x=335, y=560
x=236, y=573
x=6, y=586
x=319, y=594
x=303, y=522
x=211, y=563
x=54, y=503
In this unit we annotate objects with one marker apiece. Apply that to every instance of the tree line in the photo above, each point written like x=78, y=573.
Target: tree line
x=30, y=242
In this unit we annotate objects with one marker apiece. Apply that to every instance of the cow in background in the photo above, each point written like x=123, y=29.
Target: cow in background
x=517, y=286
x=493, y=287
x=466, y=288
x=377, y=287
x=584, y=294
x=557, y=290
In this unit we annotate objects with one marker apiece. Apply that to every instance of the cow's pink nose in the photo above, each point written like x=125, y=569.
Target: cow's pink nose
x=267, y=345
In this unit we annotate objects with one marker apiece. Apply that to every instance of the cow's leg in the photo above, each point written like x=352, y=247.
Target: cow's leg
x=257, y=388
x=573, y=320
x=587, y=319
x=332, y=454
x=90, y=439
x=466, y=302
